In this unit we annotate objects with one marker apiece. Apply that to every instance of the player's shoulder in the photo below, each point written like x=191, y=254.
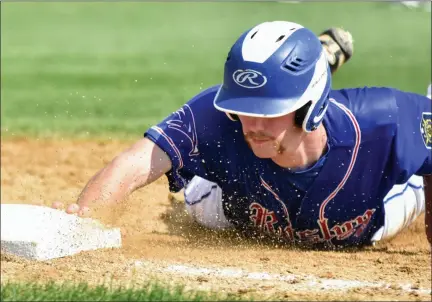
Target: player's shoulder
x=366, y=101
x=202, y=105
x=211, y=121
x=376, y=106
x=204, y=99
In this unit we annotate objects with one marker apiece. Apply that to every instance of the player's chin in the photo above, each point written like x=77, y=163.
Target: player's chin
x=266, y=150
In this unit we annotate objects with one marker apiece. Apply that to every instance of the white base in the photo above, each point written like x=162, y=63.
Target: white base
x=43, y=233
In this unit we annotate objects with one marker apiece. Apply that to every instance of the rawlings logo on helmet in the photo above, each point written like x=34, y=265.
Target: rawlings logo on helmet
x=249, y=78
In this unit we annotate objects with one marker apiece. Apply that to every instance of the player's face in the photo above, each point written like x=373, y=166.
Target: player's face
x=269, y=137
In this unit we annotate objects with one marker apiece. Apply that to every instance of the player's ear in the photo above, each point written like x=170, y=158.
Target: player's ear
x=232, y=117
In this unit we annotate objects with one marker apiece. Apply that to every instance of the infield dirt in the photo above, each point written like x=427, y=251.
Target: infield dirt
x=157, y=234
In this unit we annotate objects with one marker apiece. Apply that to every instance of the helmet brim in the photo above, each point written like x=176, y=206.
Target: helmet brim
x=256, y=106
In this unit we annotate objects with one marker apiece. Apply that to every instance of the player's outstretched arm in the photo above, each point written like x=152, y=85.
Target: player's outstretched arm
x=138, y=166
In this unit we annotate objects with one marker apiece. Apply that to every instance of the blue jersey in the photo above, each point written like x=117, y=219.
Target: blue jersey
x=377, y=137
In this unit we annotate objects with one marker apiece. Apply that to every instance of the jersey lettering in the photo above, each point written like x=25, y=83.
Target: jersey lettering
x=265, y=219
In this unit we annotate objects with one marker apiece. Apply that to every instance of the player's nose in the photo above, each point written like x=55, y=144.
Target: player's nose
x=257, y=124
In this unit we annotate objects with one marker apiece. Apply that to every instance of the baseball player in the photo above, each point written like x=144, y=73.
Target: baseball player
x=275, y=151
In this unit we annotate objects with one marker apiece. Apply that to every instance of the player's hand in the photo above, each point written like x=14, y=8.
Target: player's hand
x=72, y=208
x=339, y=47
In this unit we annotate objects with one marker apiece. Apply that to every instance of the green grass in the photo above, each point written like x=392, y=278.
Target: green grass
x=114, y=69
x=82, y=292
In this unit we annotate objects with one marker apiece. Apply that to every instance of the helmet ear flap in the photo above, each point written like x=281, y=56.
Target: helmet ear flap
x=232, y=117
x=315, y=115
x=302, y=117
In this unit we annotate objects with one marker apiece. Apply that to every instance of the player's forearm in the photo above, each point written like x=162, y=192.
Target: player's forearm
x=138, y=166
x=428, y=201
x=112, y=184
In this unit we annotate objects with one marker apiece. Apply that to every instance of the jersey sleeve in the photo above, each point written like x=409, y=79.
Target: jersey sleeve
x=179, y=135
x=413, y=139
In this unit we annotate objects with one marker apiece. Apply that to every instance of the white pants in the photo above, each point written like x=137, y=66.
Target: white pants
x=203, y=201
x=403, y=204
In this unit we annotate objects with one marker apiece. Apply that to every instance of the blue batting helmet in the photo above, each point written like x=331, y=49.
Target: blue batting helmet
x=274, y=69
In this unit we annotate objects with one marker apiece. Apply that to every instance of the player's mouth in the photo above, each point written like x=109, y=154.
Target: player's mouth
x=259, y=140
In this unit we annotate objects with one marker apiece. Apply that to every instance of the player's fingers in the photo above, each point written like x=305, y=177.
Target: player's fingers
x=72, y=208
x=57, y=205
x=84, y=212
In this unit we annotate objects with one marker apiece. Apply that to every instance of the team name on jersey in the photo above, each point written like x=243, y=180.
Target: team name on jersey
x=267, y=221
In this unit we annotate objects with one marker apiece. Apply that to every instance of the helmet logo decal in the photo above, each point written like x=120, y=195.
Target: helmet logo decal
x=318, y=118
x=249, y=78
